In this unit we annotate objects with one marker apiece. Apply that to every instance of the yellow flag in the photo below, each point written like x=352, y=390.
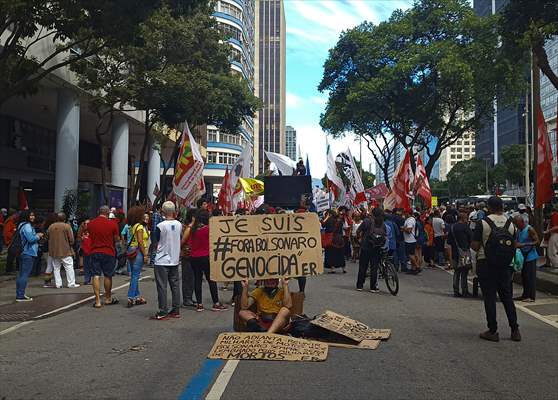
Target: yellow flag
x=251, y=186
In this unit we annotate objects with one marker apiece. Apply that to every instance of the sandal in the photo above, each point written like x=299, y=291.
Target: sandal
x=130, y=303
x=112, y=302
x=97, y=306
x=140, y=301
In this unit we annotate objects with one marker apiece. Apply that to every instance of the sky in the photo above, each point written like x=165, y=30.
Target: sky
x=313, y=27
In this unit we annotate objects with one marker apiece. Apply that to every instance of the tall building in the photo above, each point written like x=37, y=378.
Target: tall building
x=236, y=19
x=463, y=149
x=397, y=156
x=270, y=79
x=290, y=143
x=507, y=127
x=549, y=94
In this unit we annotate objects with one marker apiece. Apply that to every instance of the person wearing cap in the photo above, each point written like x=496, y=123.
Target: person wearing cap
x=522, y=209
x=494, y=279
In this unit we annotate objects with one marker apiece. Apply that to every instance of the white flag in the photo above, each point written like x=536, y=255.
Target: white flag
x=351, y=177
x=189, y=166
x=283, y=163
x=333, y=176
x=240, y=169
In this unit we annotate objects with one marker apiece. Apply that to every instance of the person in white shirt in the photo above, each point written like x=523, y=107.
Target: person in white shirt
x=439, y=227
x=409, y=237
x=167, y=238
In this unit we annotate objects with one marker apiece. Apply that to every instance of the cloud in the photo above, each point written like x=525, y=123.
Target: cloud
x=364, y=11
x=293, y=100
x=327, y=14
x=297, y=33
x=320, y=100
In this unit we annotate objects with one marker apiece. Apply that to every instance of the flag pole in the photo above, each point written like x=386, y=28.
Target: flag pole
x=535, y=106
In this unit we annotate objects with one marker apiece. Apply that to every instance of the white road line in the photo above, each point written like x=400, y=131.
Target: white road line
x=523, y=308
x=222, y=380
x=17, y=326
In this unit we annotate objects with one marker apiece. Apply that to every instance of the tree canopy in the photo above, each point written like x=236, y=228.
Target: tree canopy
x=424, y=77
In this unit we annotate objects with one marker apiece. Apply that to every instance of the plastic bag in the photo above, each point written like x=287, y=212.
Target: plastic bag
x=517, y=263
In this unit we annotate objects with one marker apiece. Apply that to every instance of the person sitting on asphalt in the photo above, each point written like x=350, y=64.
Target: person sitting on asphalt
x=273, y=304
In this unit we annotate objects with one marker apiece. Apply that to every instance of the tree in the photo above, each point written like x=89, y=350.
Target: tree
x=368, y=178
x=439, y=188
x=63, y=32
x=428, y=74
x=177, y=70
x=511, y=168
x=467, y=178
x=525, y=25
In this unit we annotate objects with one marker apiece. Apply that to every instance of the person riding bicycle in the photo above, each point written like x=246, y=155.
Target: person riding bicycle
x=374, y=234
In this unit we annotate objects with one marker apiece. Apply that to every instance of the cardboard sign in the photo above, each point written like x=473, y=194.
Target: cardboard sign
x=264, y=246
x=378, y=334
x=266, y=346
x=342, y=325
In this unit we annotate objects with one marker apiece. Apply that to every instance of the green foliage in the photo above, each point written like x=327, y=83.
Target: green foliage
x=467, y=178
x=526, y=25
x=58, y=26
x=511, y=167
x=430, y=71
x=76, y=204
x=439, y=188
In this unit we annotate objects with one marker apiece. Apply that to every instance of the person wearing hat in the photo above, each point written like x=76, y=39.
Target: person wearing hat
x=494, y=278
x=522, y=208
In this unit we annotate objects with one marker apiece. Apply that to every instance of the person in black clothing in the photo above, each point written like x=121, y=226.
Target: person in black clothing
x=399, y=259
x=460, y=237
x=300, y=168
x=370, y=252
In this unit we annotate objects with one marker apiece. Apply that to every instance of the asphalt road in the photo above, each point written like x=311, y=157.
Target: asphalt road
x=434, y=351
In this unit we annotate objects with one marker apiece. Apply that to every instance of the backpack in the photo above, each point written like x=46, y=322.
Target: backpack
x=377, y=236
x=420, y=233
x=17, y=245
x=499, y=248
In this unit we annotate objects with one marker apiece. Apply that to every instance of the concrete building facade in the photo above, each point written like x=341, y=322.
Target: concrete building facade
x=463, y=149
x=290, y=143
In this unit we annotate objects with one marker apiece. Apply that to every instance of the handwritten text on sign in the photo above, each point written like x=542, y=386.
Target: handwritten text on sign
x=265, y=246
x=342, y=325
x=266, y=346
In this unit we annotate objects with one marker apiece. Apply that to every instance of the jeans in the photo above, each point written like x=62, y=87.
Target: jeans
x=200, y=265
x=368, y=257
x=529, y=279
x=167, y=275
x=439, y=248
x=399, y=258
x=301, y=283
x=494, y=280
x=460, y=280
x=87, y=269
x=135, y=268
x=187, y=281
x=68, y=263
x=25, y=267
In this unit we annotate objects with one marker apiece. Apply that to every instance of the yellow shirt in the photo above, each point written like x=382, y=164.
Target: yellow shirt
x=266, y=304
x=135, y=231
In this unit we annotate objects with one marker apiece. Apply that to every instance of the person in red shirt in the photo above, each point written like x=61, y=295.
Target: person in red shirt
x=103, y=234
x=551, y=235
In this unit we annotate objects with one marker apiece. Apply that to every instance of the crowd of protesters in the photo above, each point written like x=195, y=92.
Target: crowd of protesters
x=445, y=237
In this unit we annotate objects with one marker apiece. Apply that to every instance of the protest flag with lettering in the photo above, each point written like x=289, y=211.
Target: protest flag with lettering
x=225, y=194
x=335, y=184
x=398, y=197
x=252, y=187
x=189, y=167
x=421, y=185
x=543, y=189
x=350, y=175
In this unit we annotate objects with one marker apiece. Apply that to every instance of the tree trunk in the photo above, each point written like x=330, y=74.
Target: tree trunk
x=174, y=157
x=141, y=170
x=542, y=62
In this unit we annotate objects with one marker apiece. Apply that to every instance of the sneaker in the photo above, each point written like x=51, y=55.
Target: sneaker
x=359, y=289
x=25, y=298
x=175, y=313
x=218, y=307
x=528, y=300
x=199, y=308
x=374, y=290
x=515, y=335
x=160, y=316
x=75, y=285
x=189, y=304
x=48, y=285
x=490, y=336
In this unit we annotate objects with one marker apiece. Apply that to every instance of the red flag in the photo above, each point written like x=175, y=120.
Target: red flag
x=22, y=200
x=543, y=189
x=421, y=186
x=398, y=197
x=225, y=196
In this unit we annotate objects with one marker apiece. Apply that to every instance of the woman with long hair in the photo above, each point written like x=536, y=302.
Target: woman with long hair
x=29, y=247
x=197, y=234
x=335, y=249
x=136, y=252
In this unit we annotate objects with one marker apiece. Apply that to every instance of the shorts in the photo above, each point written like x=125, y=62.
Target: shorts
x=410, y=248
x=102, y=264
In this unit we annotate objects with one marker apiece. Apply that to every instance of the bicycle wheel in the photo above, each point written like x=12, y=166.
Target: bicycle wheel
x=392, y=280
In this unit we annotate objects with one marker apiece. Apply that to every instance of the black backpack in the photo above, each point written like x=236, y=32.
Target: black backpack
x=16, y=247
x=377, y=236
x=499, y=248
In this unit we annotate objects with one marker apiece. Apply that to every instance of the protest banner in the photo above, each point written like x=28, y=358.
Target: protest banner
x=349, y=327
x=264, y=246
x=266, y=346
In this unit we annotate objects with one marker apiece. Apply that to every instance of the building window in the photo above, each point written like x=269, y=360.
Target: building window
x=211, y=157
x=212, y=135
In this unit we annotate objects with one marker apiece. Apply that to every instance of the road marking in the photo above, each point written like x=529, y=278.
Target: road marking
x=222, y=380
x=17, y=326
x=523, y=308
x=201, y=381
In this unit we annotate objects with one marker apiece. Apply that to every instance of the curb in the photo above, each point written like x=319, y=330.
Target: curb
x=546, y=282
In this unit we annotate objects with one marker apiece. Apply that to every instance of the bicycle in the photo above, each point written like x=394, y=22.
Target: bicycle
x=388, y=272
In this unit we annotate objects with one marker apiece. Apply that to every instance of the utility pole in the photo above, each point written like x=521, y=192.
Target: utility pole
x=535, y=107
x=527, y=152
x=360, y=142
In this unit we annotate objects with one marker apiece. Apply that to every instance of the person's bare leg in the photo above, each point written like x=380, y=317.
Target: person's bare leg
x=280, y=321
x=246, y=315
x=108, y=289
x=97, y=290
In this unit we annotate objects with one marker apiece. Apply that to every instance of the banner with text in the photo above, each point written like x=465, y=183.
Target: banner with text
x=265, y=246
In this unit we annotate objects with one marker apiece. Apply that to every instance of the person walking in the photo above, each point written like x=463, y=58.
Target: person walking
x=439, y=228
x=187, y=273
x=29, y=240
x=137, y=252
x=527, y=241
x=374, y=234
x=492, y=240
x=410, y=239
x=460, y=239
x=167, y=257
x=104, y=236
x=197, y=236
x=60, y=243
